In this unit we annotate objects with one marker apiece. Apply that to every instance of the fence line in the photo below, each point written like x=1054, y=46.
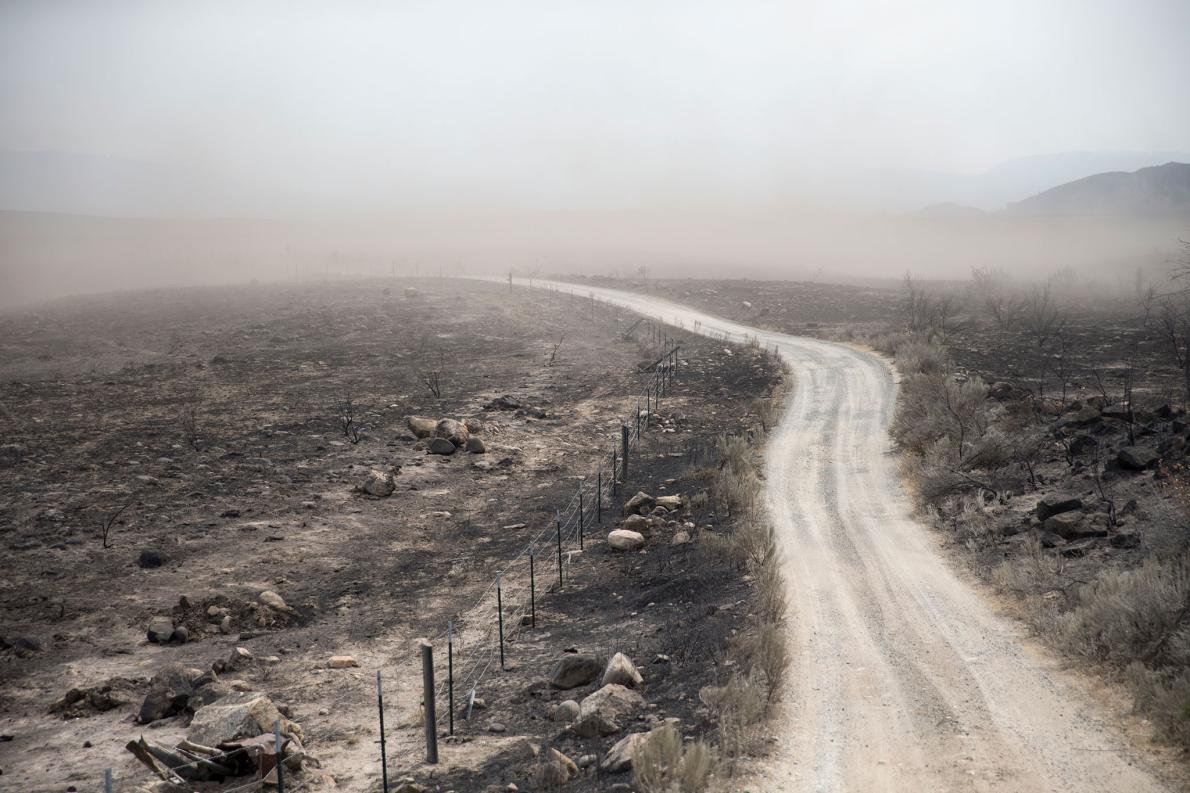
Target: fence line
x=513, y=584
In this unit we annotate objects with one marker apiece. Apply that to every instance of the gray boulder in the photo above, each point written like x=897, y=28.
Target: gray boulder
x=1056, y=503
x=1073, y=525
x=160, y=630
x=607, y=711
x=1137, y=458
x=421, y=427
x=235, y=716
x=441, y=446
x=377, y=483
x=622, y=671
x=619, y=758
x=574, y=670
x=454, y=431
x=476, y=445
x=641, y=502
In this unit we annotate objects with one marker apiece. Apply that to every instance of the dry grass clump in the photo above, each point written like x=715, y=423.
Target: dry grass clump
x=739, y=707
x=1138, y=621
x=741, y=704
x=662, y=764
x=1133, y=615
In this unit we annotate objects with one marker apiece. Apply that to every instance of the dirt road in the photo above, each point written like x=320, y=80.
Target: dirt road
x=904, y=678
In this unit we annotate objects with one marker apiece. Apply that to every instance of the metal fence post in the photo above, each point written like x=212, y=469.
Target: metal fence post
x=450, y=674
x=500, y=616
x=624, y=454
x=383, y=752
x=580, y=515
x=107, y=780
x=532, y=593
x=559, y=522
x=427, y=681
x=599, y=498
x=280, y=757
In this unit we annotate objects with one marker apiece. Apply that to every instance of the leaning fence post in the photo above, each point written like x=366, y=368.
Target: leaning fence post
x=450, y=674
x=500, y=616
x=559, y=522
x=280, y=757
x=624, y=454
x=383, y=753
x=648, y=403
x=599, y=498
x=532, y=593
x=580, y=515
x=427, y=681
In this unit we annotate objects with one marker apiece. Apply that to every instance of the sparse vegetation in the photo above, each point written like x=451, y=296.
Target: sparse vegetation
x=663, y=764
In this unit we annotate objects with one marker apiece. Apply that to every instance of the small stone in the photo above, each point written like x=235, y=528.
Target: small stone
x=181, y=634
x=441, y=446
x=476, y=446
x=342, y=662
x=239, y=658
x=497, y=727
x=274, y=601
x=161, y=630
x=149, y=559
x=565, y=711
x=680, y=538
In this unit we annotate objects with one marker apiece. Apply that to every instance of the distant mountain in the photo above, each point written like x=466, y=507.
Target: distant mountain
x=994, y=189
x=1161, y=190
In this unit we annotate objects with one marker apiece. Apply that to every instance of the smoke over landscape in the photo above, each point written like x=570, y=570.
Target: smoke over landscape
x=683, y=396
x=175, y=145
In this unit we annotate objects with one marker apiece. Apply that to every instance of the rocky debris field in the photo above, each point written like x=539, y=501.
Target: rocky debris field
x=245, y=495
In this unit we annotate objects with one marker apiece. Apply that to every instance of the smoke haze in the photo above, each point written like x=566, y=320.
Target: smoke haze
x=223, y=141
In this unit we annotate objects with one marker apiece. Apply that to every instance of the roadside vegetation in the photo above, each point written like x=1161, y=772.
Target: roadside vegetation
x=1055, y=455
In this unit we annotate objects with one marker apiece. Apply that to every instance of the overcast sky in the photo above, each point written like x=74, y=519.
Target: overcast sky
x=592, y=103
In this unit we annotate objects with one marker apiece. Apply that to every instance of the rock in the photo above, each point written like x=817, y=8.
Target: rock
x=637, y=523
x=574, y=670
x=406, y=784
x=342, y=662
x=181, y=634
x=680, y=537
x=453, y=431
x=169, y=693
x=1117, y=413
x=81, y=702
x=619, y=758
x=441, y=446
x=1081, y=417
x=225, y=624
x=473, y=425
x=1072, y=525
x=161, y=630
x=377, y=483
x=669, y=502
x=1137, y=458
x=607, y=711
x=553, y=770
x=1056, y=503
x=621, y=670
x=23, y=646
x=506, y=402
x=623, y=540
x=237, y=715
x=151, y=558
x=421, y=427
x=1126, y=539
x=496, y=727
x=476, y=445
x=1083, y=444
x=240, y=657
x=565, y=711
x=641, y=502
x=1050, y=540
x=274, y=601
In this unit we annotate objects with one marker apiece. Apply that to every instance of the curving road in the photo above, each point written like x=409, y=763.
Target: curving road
x=903, y=677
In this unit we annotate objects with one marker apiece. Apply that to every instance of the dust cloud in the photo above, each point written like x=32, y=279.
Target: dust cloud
x=154, y=144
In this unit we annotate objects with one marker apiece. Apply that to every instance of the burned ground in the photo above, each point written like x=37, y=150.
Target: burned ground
x=214, y=419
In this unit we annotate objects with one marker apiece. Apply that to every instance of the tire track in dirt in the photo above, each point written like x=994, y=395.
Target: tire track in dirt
x=904, y=677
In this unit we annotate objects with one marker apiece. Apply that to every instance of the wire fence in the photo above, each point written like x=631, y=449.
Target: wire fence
x=479, y=637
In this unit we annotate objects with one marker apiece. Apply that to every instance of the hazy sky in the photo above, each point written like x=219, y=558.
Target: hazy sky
x=593, y=103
